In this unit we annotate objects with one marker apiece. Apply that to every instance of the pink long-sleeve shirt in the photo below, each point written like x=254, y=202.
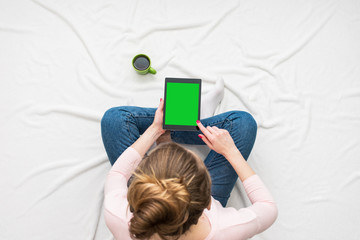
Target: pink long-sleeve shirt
x=226, y=223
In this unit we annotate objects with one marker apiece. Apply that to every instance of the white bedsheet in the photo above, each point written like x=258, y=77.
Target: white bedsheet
x=294, y=65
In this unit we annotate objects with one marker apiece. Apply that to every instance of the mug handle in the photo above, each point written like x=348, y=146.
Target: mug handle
x=152, y=71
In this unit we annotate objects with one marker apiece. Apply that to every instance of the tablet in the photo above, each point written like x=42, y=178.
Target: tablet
x=182, y=99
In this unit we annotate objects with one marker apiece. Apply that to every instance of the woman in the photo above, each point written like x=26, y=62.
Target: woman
x=174, y=194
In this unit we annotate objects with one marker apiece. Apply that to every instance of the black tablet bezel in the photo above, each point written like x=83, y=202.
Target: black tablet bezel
x=181, y=127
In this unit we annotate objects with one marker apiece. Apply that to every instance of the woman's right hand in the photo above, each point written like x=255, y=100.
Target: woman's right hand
x=217, y=139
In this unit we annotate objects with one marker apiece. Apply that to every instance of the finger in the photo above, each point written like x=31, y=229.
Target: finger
x=216, y=128
x=206, y=141
x=213, y=131
x=161, y=105
x=220, y=129
x=204, y=130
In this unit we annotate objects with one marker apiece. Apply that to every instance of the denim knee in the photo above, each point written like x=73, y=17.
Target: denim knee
x=243, y=131
x=244, y=120
x=113, y=114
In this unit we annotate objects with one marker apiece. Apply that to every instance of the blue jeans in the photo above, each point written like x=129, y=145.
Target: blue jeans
x=122, y=126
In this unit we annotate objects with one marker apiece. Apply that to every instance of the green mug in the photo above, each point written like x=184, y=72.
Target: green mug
x=142, y=64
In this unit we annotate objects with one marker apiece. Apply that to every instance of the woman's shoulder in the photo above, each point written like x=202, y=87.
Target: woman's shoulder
x=223, y=217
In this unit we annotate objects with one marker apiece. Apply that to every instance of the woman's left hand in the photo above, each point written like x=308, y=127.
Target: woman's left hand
x=152, y=133
x=158, y=119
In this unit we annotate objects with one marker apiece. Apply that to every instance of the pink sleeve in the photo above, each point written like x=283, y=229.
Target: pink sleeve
x=244, y=223
x=264, y=205
x=116, y=212
x=121, y=171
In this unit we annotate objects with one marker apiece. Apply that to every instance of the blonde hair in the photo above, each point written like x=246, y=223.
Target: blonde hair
x=170, y=189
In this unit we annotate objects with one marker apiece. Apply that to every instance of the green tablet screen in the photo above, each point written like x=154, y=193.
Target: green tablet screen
x=182, y=104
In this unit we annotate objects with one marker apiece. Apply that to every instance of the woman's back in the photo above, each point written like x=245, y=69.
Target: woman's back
x=215, y=223
x=199, y=231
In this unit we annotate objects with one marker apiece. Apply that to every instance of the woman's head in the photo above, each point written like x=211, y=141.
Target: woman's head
x=169, y=191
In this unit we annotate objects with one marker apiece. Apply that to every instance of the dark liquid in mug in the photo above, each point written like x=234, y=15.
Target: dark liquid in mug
x=141, y=63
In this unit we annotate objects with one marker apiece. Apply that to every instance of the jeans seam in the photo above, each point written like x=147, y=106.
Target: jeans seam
x=128, y=113
x=127, y=120
x=127, y=124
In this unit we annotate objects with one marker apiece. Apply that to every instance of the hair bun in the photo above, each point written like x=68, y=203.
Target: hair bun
x=159, y=206
x=169, y=192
